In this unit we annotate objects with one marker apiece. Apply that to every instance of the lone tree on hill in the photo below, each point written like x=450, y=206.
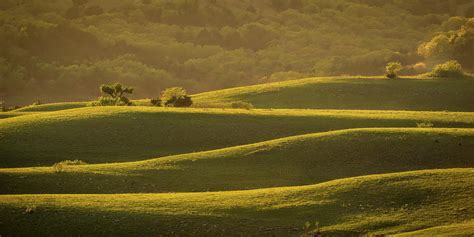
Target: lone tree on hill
x=117, y=92
x=392, y=69
x=176, y=97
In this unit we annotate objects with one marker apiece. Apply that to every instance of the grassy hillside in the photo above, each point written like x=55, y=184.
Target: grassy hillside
x=356, y=93
x=298, y=160
x=458, y=229
x=353, y=93
x=12, y=114
x=111, y=134
x=389, y=203
x=52, y=107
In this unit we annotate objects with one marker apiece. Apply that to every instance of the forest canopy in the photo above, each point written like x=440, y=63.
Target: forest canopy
x=63, y=50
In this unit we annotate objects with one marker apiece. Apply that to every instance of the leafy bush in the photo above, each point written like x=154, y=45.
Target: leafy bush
x=116, y=95
x=393, y=68
x=61, y=166
x=38, y=102
x=156, y=101
x=176, y=97
x=241, y=105
x=108, y=101
x=448, y=69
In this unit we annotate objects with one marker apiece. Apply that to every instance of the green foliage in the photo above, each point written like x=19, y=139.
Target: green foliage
x=392, y=69
x=61, y=166
x=449, y=69
x=117, y=94
x=176, y=97
x=108, y=101
x=116, y=90
x=456, y=43
x=155, y=101
x=206, y=45
x=36, y=103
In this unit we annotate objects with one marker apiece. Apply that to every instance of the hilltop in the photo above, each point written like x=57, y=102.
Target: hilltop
x=370, y=93
x=298, y=160
x=117, y=134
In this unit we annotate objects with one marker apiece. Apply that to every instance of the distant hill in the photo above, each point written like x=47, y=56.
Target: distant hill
x=64, y=50
x=352, y=93
x=115, y=134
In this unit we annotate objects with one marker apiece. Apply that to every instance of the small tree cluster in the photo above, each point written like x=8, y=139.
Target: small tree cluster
x=448, y=69
x=116, y=95
x=61, y=166
x=173, y=97
x=393, y=68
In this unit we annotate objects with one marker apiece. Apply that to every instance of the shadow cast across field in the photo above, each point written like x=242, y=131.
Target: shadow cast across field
x=298, y=160
x=368, y=93
x=376, y=204
x=113, y=134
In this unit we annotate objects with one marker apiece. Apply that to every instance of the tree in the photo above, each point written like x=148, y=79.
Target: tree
x=117, y=93
x=392, y=69
x=458, y=45
x=176, y=97
x=156, y=101
x=448, y=69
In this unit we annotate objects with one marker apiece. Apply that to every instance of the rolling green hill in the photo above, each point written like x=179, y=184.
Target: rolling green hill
x=353, y=93
x=389, y=203
x=52, y=107
x=114, y=134
x=299, y=160
x=12, y=114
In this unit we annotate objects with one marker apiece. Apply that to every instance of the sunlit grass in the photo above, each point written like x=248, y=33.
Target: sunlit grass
x=388, y=203
x=411, y=93
x=114, y=134
x=299, y=160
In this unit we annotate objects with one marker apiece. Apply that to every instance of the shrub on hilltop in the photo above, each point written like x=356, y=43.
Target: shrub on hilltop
x=115, y=95
x=393, y=68
x=175, y=97
x=448, y=69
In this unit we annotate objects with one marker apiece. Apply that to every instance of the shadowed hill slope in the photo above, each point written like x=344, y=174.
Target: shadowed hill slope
x=52, y=107
x=376, y=204
x=353, y=93
x=113, y=134
x=298, y=160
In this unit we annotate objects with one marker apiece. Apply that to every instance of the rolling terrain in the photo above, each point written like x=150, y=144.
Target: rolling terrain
x=345, y=93
x=117, y=134
x=374, y=93
x=385, y=157
x=389, y=203
x=298, y=160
